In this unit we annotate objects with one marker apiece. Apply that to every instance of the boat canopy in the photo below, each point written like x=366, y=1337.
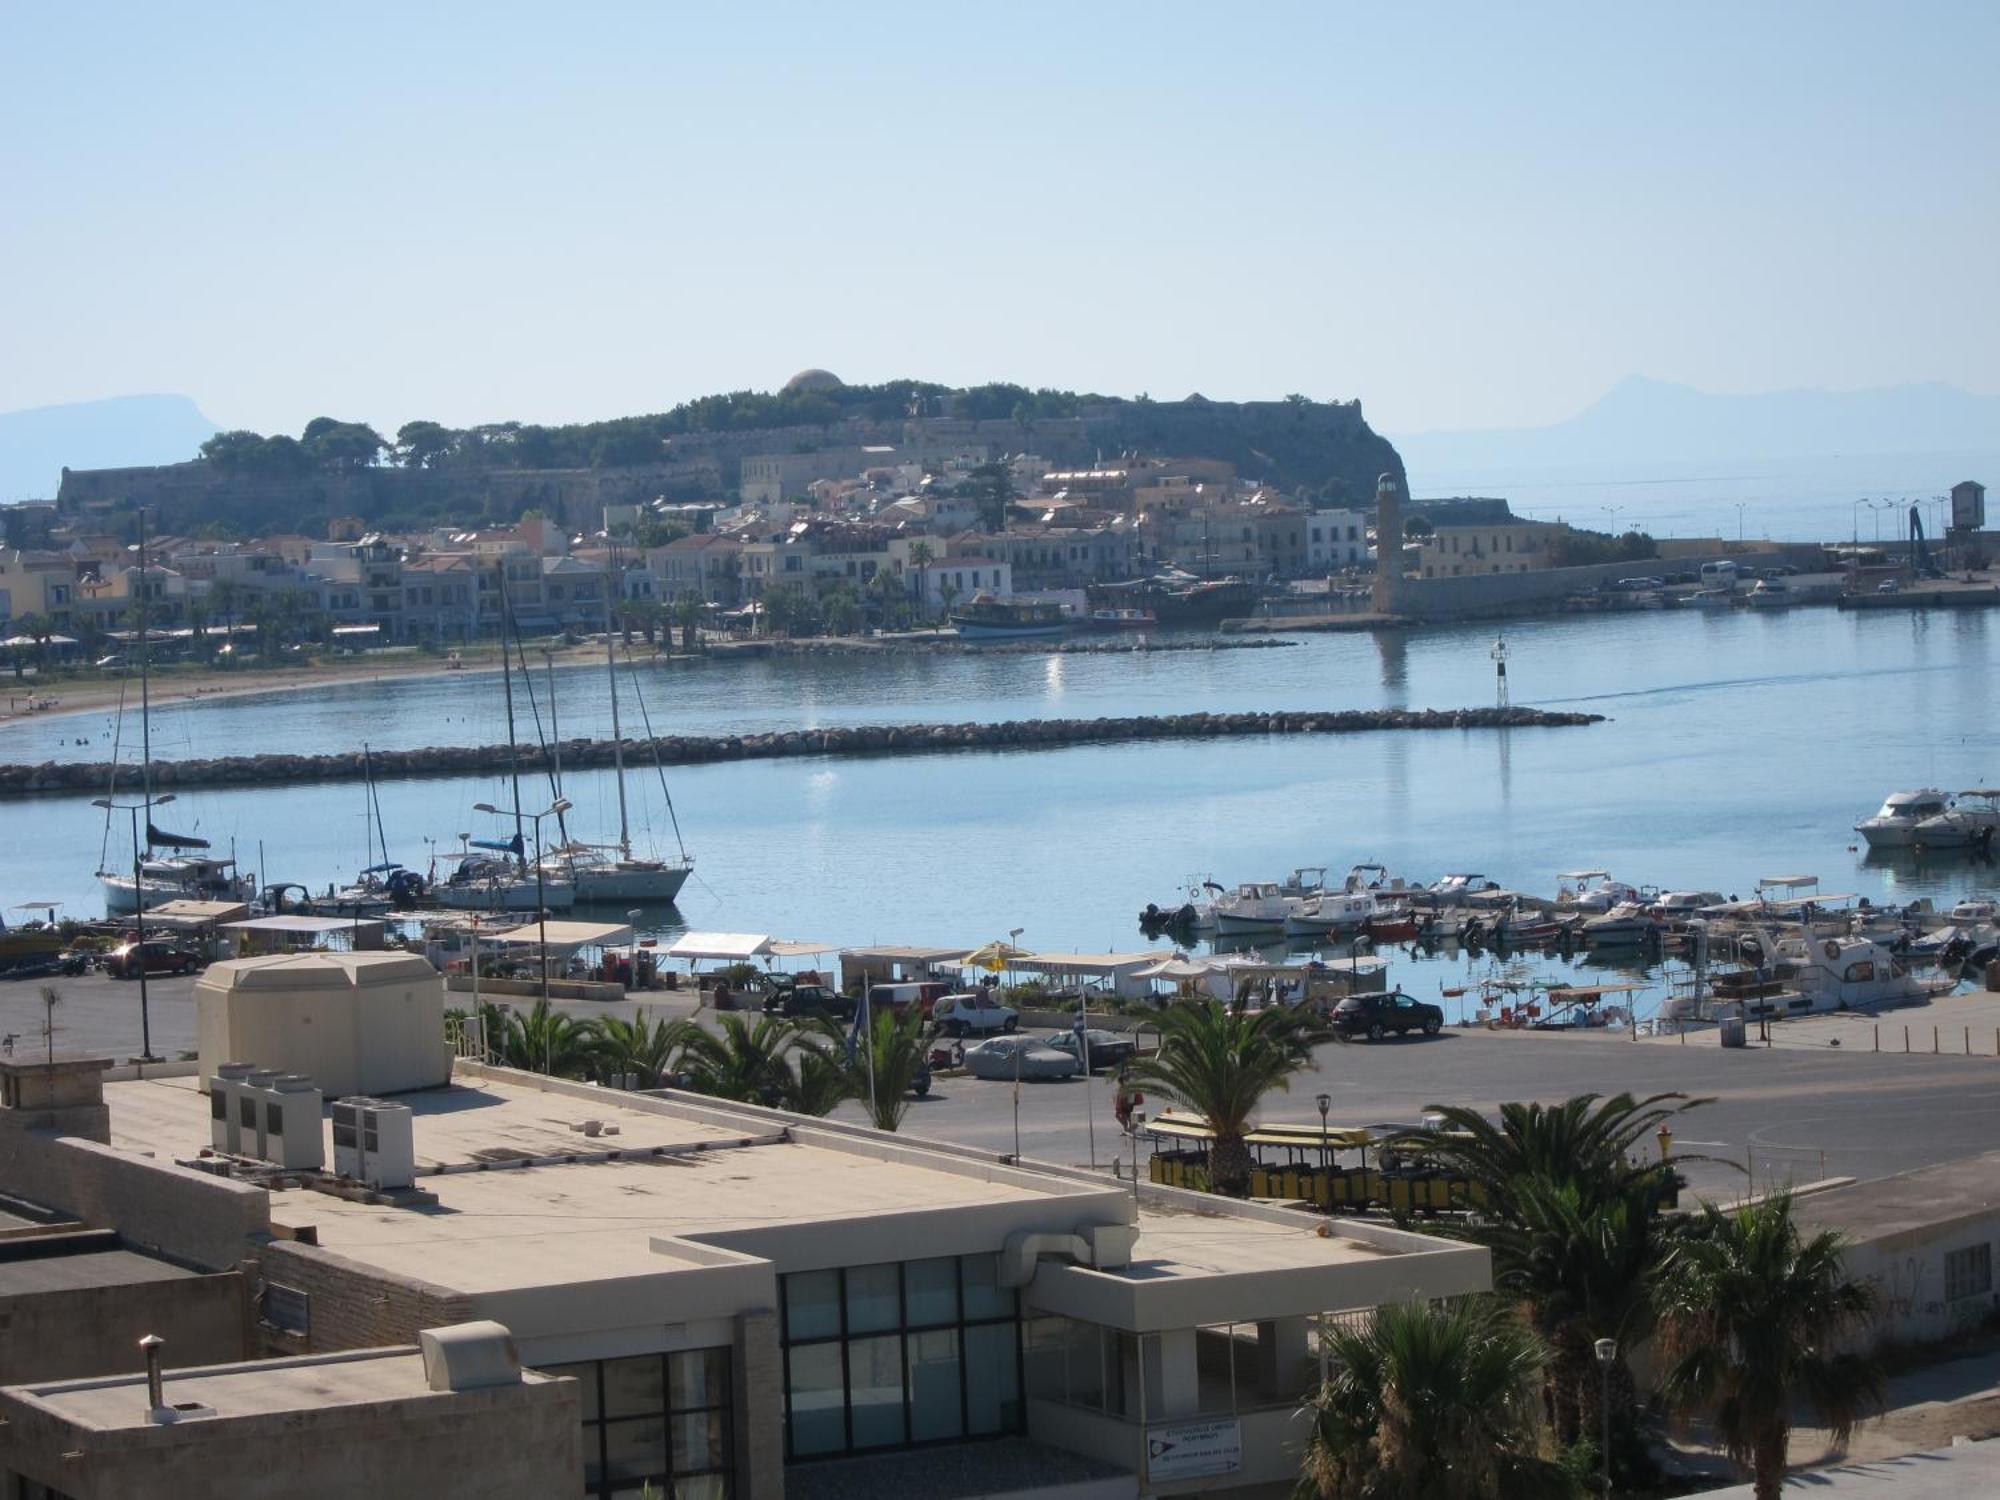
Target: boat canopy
x=1584, y=875
x=498, y=846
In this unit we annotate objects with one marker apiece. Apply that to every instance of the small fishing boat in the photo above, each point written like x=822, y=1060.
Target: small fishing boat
x=1626, y=924
x=1255, y=906
x=986, y=618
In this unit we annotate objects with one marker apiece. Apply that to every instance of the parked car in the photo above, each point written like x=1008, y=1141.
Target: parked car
x=1782, y=570
x=1889, y=586
x=1009, y=1057
x=123, y=961
x=1375, y=1016
x=974, y=1014
x=811, y=1000
x=1108, y=1049
x=1634, y=585
x=900, y=997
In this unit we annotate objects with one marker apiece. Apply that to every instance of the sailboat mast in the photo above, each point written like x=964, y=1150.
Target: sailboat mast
x=611, y=584
x=513, y=750
x=145, y=689
x=374, y=801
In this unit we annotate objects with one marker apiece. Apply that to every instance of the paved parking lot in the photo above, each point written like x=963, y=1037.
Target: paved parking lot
x=1799, y=1110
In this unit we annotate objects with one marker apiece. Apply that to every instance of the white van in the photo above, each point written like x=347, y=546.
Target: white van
x=1718, y=575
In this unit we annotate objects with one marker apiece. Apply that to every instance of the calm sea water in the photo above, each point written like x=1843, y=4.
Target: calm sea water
x=1738, y=744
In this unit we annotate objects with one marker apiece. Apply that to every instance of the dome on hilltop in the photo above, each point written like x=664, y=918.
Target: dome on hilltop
x=814, y=380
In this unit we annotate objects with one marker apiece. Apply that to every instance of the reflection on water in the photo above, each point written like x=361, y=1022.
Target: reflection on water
x=1742, y=747
x=1393, y=648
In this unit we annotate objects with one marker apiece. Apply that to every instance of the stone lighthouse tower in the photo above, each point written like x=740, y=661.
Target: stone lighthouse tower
x=1388, y=546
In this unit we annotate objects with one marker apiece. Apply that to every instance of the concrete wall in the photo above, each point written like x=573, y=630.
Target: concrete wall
x=1908, y=1274
x=466, y=1445
x=353, y=1306
x=187, y=1216
x=1504, y=593
x=95, y=1330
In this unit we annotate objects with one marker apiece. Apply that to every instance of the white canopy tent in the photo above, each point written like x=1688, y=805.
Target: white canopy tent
x=724, y=947
x=566, y=937
x=1121, y=970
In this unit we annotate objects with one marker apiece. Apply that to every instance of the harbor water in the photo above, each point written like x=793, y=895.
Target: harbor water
x=1737, y=744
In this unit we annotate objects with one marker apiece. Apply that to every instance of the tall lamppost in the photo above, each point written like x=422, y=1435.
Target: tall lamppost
x=1325, y=1103
x=145, y=805
x=1138, y=1122
x=1607, y=1356
x=555, y=809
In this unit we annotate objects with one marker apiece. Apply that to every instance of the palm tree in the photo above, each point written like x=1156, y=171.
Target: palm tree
x=1750, y=1311
x=1433, y=1401
x=886, y=1073
x=947, y=595
x=746, y=1062
x=920, y=559
x=544, y=1040
x=1587, y=1141
x=1220, y=1061
x=641, y=1048
x=689, y=611
x=1584, y=1270
x=821, y=1080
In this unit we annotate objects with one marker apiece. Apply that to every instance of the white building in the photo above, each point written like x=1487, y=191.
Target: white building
x=1336, y=539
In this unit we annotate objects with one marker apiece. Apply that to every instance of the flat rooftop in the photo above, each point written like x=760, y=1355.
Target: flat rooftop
x=515, y=1227
x=79, y=1271
x=1173, y=1243
x=1923, y=1199
x=262, y=1388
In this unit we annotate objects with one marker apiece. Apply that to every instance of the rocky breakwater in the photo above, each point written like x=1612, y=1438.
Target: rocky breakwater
x=853, y=740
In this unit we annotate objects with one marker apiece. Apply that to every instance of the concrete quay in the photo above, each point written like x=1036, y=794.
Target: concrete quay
x=858, y=740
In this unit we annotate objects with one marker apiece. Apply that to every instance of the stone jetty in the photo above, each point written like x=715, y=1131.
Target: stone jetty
x=849, y=740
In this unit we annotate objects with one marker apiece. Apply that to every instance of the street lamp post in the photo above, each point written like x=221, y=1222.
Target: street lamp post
x=1138, y=1119
x=632, y=957
x=146, y=805
x=1607, y=1356
x=555, y=809
x=1325, y=1103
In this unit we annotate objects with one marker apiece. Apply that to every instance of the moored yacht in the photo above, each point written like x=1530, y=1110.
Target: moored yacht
x=180, y=877
x=1971, y=820
x=1895, y=825
x=487, y=878
x=1331, y=914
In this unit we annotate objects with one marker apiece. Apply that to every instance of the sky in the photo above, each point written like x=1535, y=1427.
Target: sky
x=1476, y=216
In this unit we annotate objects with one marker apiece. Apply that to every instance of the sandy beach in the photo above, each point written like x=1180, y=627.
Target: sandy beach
x=82, y=695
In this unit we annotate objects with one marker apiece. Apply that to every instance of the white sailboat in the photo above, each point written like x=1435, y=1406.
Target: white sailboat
x=609, y=873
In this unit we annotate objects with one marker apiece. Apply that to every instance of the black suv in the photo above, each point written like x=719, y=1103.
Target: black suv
x=1375, y=1016
x=811, y=1000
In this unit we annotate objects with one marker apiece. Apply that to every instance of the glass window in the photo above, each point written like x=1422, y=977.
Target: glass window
x=992, y=1379
x=812, y=1305
x=632, y=1387
x=698, y=1377
x=934, y=1378
x=984, y=1296
x=815, y=1400
x=636, y=1448
x=872, y=1298
x=701, y=1441
x=875, y=1391
x=930, y=1291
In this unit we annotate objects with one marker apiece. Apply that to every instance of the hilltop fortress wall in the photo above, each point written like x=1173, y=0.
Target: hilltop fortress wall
x=1293, y=444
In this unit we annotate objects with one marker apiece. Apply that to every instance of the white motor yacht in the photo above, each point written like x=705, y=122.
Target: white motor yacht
x=1369, y=876
x=1454, y=890
x=1972, y=819
x=1255, y=906
x=1813, y=975
x=1895, y=826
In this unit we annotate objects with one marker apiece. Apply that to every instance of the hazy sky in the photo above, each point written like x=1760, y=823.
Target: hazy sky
x=1484, y=215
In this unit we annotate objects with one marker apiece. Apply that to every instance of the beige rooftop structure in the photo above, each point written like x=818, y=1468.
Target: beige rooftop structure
x=773, y=1260
x=326, y=1427
x=739, y=1294
x=355, y=1023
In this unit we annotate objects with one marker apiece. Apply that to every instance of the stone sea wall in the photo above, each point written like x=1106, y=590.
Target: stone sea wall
x=854, y=740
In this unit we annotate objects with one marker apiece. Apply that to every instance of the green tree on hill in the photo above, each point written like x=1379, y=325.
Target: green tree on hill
x=422, y=445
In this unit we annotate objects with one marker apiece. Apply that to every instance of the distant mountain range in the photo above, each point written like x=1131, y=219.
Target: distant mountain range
x=109, y=434
x=1650, y=421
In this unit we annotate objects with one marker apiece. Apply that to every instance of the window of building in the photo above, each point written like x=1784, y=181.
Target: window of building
x=1968, y=1272
x=658, y=1419
x=900, y=1354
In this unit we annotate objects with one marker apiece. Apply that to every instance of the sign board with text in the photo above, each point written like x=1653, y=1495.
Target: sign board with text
x=1188, y=1450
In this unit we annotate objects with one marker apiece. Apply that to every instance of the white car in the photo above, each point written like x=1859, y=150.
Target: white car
x=973, y=1014
x=1008, y=1057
